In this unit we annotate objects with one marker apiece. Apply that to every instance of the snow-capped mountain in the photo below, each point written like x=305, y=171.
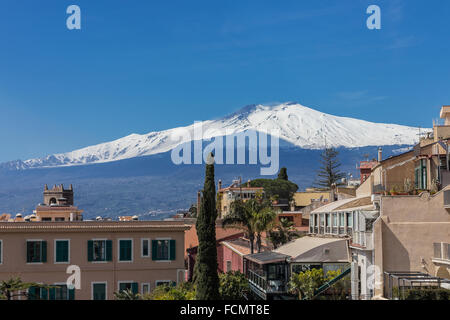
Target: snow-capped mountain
x=296, y=125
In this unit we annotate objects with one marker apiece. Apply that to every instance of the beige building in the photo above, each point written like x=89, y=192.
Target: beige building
x=399, y=222
x=106, y=256
x=111, y=255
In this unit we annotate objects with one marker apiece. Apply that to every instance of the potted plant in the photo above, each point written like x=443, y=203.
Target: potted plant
x=394, y=191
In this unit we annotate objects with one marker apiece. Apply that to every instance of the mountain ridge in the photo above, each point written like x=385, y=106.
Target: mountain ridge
x=298, y=125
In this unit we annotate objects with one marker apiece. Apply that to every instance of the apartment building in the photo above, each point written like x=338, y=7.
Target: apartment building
x=54, y=244
x=111, y=256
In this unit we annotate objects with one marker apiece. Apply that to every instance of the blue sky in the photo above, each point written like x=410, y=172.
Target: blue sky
x=139, y=66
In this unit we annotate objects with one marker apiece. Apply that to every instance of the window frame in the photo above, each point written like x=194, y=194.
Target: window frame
x=93, y=252
x=1, y=252
x=54, y=252
x=34, y=240
x=142, y=287
x=149, y=244
x=99, y=282
x=118, y=250
x=168, y=251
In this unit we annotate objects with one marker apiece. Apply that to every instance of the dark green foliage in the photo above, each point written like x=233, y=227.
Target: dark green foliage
x=15, y=287
x=425, y=294
x=233, y=285
x=283, y=174
x=329, y=173
x=284, y=189
x=127, y=295
x=205, y=274
x=282, y=233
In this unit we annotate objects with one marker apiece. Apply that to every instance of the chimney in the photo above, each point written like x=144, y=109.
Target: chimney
x=220, y=184
x=380, y=154
x=45, y=188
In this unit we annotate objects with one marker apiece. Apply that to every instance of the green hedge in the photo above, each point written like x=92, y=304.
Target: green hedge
x=427, y=294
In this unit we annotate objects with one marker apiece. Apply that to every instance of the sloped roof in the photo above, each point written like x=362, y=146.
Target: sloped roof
x=363, y=202
x=316, y=249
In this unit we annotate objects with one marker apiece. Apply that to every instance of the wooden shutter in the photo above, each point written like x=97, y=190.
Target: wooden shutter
x=43, y=294
x=52, y=294
x=172, y=249
x=29, y=249
x=108, y=250
x=90, y=250
x=154, y=249
x=71, y=294
x=134, y=287
x=32, y=293
x=43, y=251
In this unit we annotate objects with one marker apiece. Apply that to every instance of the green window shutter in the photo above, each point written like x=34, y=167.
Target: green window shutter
x=90, y=250
x=71, y=294
x=44, y=251
x=108, y=250
x=134, y=288
x=29, y=249
x=43, y=294
x=122, y=286
x=154, y=249
x=172, y=249
x=52, y=294
x=31, y=293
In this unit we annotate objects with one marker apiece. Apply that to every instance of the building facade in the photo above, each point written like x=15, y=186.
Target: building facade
x=111, y=256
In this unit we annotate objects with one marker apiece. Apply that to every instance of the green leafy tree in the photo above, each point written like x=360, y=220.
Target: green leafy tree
x=233, y=285
x=329, y=173
x=283, y=233
x=127, y=295
x=305, y=283
x=241, y=216
x=15, y=287
x=205, y=273
x=264, y=221
x=283, y=174
x=184, y=291
x=284, y=189
x=254, y=216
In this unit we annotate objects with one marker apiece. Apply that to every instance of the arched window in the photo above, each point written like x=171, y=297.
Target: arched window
x=52, y=201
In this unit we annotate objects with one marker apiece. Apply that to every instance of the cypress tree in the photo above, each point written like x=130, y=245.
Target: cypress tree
x=206, y=277
x=283, y=174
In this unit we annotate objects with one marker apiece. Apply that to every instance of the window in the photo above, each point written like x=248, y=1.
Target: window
x=99, y=290
x=46, y=219
x=349, y=219
x=61, y=251
x=228, y=268
x=126, y=250
x=60, y=219
x=99, y=250
x=125, y=285
x=61, y=292
x=36, y=251
x=1, y=251
x=145, y=288
x=334, y=220
x=145, y=248
x=165, y=283
x=163, y=249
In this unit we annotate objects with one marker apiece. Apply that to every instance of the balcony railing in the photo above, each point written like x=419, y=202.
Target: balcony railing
x=267, y=286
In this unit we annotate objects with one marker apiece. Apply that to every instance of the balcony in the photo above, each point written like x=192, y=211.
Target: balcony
x=362, y=240
x=264, y=286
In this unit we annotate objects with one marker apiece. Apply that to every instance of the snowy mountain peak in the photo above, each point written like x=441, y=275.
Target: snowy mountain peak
x=297, y=125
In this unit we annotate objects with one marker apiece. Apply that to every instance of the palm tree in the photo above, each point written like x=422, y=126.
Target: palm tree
x=254, y=216
x=242, y=217
x=284, y=233
x=264, y=221
x=15, y=287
